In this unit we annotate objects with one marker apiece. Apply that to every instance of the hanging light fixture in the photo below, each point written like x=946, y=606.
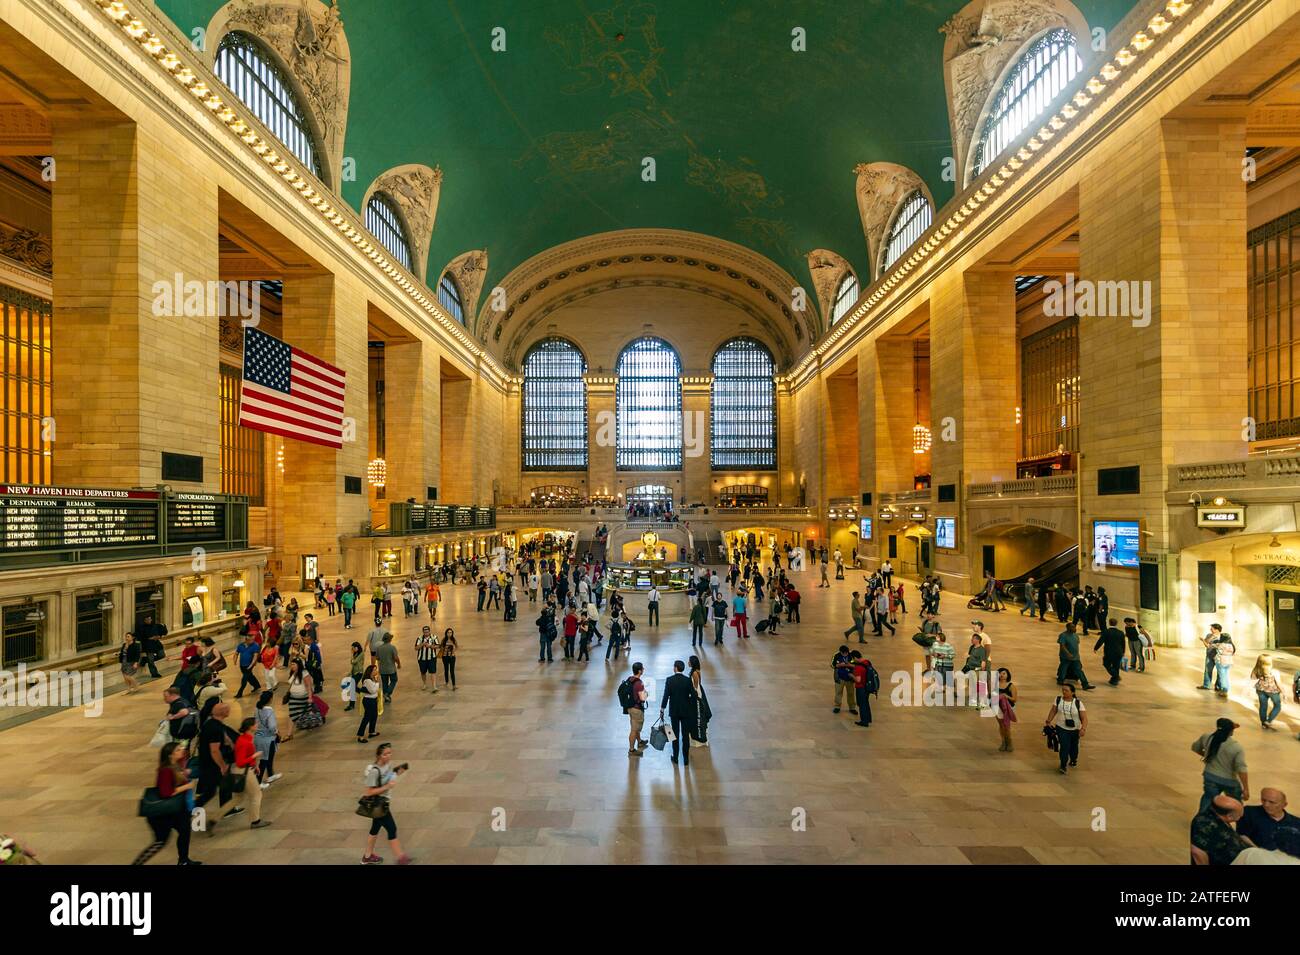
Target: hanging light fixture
x=105, y=602
x=279, y=457
x=201, y=589
x=36, y=614
x=920, y=433
x=238, y=582
x=377, y=472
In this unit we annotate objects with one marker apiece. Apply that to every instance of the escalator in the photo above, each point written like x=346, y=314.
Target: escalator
x=1062, y=569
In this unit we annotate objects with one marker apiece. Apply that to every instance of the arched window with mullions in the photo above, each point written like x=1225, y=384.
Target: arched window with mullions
x=554, y=425
x=914, y=216
x=449, y=297
x=244, y=65
x=1045, y=69
x=845, y=296
x=385, y=223
x=743, y=406
x=648, y=407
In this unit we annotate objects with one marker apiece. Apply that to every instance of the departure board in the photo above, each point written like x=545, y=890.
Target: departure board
x=53, y=518
x=195, y=518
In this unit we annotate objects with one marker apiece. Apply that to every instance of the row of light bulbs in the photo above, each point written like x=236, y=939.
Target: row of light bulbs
x=156, y=47
x=1139, y=43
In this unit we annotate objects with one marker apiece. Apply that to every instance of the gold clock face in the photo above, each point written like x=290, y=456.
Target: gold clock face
x=648, y=540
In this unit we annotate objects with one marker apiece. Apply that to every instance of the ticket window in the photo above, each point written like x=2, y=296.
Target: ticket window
x=148, y=603
x=22, y=633
x=93, y=621
x=232, y=593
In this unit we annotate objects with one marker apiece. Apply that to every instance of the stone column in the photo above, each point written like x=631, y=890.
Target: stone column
x=973, y=372
x=328, y=318
x=135, y=369
x=1167, y=386
x=413, y=406
x=600, y=433
x=697, y=467
x=458, y=445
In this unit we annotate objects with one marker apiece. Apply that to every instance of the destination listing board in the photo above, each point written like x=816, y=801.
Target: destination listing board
x=44, y=518
x=195, y=518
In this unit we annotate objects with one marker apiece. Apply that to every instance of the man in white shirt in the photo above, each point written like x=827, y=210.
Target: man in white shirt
x=653, y=602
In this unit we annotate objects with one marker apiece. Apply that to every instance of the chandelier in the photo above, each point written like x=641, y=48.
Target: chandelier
x=920, y=438
x=920, y=433
x=377, y=472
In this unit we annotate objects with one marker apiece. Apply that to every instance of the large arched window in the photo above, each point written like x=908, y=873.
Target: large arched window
x=385, y=224
x=252, y=75
x=648, y=402
x=914, y=216
x=554, y=407
x=449, y=297
x=1038, y=77
x=744, y=406
x=845, y=296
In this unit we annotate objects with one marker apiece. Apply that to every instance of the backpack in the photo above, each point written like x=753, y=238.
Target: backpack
x=187, y=727
x=625, y=697
x=873, y=680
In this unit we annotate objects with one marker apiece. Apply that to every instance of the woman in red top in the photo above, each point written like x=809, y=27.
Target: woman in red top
x=170, y=780
x=247, y=759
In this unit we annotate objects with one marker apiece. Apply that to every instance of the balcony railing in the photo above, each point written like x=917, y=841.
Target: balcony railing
x=1258, y=471
x=682, y=513
x=1058, y=485
x=905, y=497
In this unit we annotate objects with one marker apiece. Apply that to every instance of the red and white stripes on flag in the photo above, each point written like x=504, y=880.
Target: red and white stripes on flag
x=288, y=392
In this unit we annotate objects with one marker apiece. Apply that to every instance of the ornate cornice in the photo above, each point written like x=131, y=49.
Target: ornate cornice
x=28, y=248
x=469, y=269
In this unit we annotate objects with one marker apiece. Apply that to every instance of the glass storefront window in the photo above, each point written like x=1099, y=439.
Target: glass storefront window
x=390, y=563
x=193, y=603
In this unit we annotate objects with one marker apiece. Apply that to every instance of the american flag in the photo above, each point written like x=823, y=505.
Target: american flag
x=288, y=392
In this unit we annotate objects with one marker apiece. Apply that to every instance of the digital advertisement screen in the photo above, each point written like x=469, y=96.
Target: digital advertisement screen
x=945, y=532
x=1116, y=543
x=864, y=532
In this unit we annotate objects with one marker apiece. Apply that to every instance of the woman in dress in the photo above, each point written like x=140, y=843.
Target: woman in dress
x=301, y=687
x=129, y=658
x=1006, y=714
x=700, y=732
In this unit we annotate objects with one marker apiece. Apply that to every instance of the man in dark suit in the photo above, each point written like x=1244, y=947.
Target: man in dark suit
x=680, y=701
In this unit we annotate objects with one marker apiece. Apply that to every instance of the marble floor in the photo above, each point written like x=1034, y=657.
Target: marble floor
x=544, y=748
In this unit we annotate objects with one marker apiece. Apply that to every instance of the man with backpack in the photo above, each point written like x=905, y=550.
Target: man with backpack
x=632, y=696
x=865, y=682
x=546, y=633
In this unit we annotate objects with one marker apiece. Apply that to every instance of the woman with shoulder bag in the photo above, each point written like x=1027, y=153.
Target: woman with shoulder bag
x=129, y=658
x=381, y=776
x=213, y=659
x=1070, y=718
x=166, y=806
x=246, y=787
x=302, y=714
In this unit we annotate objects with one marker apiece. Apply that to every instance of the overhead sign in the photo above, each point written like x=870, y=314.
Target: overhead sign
x=1223, y=518
x=917, y=514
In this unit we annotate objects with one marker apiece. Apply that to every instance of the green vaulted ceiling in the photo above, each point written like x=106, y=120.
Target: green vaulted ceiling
x=544, y=143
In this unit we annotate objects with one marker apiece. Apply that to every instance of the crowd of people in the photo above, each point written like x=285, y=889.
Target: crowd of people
x=215, y=762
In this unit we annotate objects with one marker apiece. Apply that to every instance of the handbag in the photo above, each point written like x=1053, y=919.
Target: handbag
x=162, y=735
x=925, y=640
x=373, y=807
x=659, y=735
x=154, y=806
x=321, y=706
x=238, y=781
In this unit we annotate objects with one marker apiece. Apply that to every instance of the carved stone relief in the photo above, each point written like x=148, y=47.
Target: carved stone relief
x=27, y=247
x=469, y=269
x=828, y=270
x=881, y=186
x=308, y=37
x=415, y=190
x=983, y=39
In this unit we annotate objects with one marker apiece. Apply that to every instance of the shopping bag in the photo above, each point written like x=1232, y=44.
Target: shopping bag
x=659, y=735
x=162, y=735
